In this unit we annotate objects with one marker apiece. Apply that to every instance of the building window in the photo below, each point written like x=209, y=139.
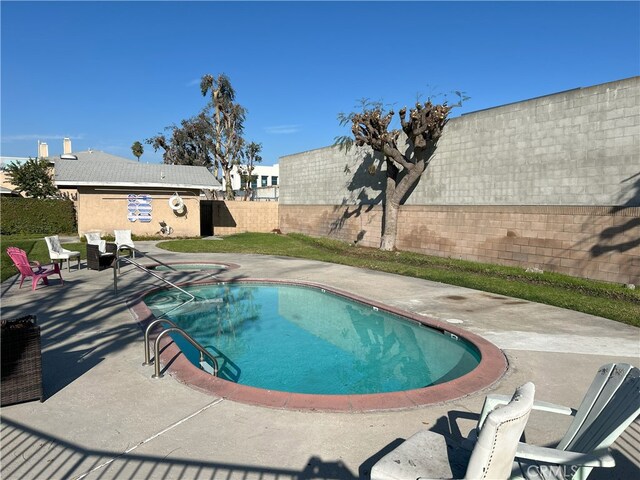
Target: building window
x=254, y=182
x=274, y=180
x=263, y=180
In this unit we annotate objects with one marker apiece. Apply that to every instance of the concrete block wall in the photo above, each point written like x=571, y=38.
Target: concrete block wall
x=571, y=148
x=592, y=242
x=588, y=242
x=239, y=217
x=552, y=182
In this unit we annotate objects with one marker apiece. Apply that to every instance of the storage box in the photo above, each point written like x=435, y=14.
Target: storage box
x=21, y=361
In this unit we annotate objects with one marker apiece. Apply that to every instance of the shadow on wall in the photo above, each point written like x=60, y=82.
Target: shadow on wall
x=369, y=178
x=222, y=217
x=608, y=237
x=366, y=179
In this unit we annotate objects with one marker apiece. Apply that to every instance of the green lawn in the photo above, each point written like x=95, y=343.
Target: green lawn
x=597, y=298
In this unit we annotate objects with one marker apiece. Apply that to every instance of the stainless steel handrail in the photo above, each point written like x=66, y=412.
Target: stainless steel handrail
x=203, y=352
x=147, y=353
x=173, y=328
x=145, y=269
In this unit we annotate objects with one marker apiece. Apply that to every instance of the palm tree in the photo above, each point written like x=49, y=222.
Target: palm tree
x=137, y=149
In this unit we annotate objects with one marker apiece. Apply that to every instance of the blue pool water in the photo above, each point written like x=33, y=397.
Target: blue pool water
x=306, y=340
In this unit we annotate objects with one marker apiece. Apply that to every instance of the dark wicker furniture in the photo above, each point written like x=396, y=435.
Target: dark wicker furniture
x=21, y=361
x=97, y=260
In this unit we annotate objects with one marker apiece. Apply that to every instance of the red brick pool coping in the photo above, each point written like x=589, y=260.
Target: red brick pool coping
x=492, y=367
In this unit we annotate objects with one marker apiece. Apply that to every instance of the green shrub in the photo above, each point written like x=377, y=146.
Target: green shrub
x=21, y=216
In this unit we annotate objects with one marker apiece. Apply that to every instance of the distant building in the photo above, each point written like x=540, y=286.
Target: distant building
x=111, y=192
x=9, y=188
x=5, y=161
x=265, y=184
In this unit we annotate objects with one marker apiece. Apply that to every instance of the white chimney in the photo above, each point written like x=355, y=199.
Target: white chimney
x=43, y=150
x=66, y=145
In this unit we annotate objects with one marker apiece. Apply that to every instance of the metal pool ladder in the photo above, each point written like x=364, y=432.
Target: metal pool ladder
x=212, y=369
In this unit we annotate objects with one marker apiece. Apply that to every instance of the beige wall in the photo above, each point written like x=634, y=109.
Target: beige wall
x=595, y=242
x=239, y=216
x=105, y=211
x=5, y=181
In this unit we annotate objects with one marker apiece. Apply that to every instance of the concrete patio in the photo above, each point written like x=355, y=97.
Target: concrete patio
x=104, y=417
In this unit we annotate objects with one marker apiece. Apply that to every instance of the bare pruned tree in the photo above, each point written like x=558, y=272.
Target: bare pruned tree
x=404, y=166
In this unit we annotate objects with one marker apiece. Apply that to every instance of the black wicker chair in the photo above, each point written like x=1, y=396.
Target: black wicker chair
x=96, y=260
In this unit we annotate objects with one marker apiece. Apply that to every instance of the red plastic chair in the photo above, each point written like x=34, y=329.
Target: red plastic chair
x=32, y=269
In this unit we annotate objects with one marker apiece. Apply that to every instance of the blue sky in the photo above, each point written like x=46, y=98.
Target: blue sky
x=108, y=74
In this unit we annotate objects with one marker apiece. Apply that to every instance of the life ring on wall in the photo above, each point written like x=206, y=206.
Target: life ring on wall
x=176, y=203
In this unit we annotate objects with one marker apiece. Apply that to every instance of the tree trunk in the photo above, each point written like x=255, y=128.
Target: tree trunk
x=388, y=241
x=228, y=187
x=390, y=217
x=394, y=194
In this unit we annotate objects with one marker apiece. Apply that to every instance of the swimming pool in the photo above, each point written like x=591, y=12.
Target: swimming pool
x=319, y=342
x=367, y=355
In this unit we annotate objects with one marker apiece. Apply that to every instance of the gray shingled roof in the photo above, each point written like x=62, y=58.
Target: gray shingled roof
x=93, y=168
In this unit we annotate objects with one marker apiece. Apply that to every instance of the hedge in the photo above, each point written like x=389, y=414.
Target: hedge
x=22, y=216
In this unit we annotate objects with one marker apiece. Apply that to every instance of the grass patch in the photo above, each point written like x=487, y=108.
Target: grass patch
x=589, y=296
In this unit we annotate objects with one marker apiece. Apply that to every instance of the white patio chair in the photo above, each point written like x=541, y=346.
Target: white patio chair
x=425, y=454
x=123, y=240
x=59, y=254
x=610, y=405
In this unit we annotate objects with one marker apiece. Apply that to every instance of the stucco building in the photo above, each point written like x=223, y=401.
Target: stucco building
x=112, y=192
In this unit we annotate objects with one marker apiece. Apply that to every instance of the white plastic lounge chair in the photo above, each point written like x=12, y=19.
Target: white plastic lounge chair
x=610, y=405
x=123, y=240
x=59, y=254
x=425, y=454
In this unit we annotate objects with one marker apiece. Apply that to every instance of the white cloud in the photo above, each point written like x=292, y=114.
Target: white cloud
x=192, y=83
x=282, y=129
x=34, y=136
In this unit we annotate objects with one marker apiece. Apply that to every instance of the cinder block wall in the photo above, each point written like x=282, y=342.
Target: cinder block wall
x=238, y=217
x=552, y=182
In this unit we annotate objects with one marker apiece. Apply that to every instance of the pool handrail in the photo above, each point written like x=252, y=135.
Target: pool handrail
x=173, y=328
x=116, y=269
x=147, y=331
x=186, y=336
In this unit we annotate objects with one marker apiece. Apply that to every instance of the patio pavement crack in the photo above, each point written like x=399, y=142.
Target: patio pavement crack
x=143, y=442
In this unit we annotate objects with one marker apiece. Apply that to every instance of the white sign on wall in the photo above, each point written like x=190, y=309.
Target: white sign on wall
x=139, y=208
